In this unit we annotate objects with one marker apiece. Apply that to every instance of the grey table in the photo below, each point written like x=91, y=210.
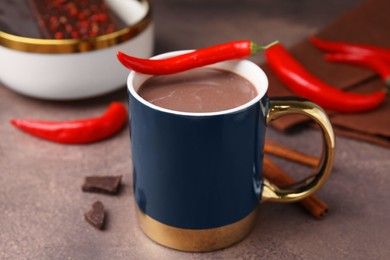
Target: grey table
x=42, y=206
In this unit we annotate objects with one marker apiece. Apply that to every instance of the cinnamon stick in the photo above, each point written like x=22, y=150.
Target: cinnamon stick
x=312, y=204
x=290, y=154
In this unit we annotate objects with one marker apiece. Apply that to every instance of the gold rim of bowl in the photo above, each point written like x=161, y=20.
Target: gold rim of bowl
x=56, y=46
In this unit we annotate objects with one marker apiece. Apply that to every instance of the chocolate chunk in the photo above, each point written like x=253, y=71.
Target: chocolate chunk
x=96, y=215
x=105, y=184
x=16, y=18
x=70, y=19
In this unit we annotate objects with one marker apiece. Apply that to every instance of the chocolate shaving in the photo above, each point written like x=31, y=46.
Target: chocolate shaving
x=96, y=215
x=104, y=184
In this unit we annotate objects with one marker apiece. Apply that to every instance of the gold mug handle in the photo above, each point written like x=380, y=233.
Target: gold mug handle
x=279, y=107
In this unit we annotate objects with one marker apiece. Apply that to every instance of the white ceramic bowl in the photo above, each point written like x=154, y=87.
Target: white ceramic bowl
x=75, y=69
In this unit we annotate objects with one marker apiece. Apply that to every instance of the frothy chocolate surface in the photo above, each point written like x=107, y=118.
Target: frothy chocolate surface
x=198, y=90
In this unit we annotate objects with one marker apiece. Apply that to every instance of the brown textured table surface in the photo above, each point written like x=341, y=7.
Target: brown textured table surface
x=42, y=205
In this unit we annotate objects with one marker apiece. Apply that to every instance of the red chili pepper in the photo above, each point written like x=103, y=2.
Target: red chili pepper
x=77, y=131
x=372, y=62
x=337, y=46
x=197, y=58
x=306, y=85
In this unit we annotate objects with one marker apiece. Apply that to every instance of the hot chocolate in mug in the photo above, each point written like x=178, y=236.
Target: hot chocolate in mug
x=197, y=176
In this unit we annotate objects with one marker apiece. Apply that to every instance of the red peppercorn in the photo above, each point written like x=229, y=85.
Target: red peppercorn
x=58, y=3
x=75, y=35
x=87, y=18
x=101, y=17
x=73, y=11
x=84, y=24
x=63, y=19
x=87, y=12
x=95, y=27
x=82, y=16
x=68, y=28
x=53, y=28
x=59, y=35
x=53, y=19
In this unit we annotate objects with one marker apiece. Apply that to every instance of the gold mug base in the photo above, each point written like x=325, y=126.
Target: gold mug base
x=196, y=240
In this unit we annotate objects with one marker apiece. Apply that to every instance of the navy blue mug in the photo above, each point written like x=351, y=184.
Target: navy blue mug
x=197, y=177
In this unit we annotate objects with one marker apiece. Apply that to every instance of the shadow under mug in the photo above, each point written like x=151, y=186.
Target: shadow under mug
x=197, y=177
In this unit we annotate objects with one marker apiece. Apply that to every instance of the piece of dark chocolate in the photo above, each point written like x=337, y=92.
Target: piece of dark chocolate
x=74, y=19
x=105, y=184
x=95, y=216
x=16, y=18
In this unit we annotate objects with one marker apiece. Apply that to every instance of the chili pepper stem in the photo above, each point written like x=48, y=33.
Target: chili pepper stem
x=255, y=48
x=387, y=90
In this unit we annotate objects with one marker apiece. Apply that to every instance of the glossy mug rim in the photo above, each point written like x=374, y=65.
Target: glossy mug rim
x=254, y=74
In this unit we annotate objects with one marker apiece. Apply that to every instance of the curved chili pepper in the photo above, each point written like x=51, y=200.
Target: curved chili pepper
x=77, y=131
x=197, y=58
x=337, y=46
x=306, y=85
x=369, y=61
